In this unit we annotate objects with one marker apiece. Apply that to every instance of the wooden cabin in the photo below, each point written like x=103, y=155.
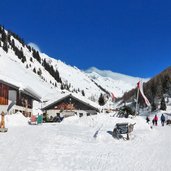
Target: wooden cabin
x=70, y=104
x=22, y=97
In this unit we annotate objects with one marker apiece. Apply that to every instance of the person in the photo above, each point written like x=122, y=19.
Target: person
x=58, y=118
x=162, y=118
x=155, y=119
x=147, y=119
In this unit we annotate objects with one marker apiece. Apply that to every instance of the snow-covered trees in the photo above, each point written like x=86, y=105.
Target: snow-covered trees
x=163, y=104
x=154, y=89
x=50, y=69
x=36, y=55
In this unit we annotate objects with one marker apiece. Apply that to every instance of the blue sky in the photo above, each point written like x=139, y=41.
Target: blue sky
x=127, y=36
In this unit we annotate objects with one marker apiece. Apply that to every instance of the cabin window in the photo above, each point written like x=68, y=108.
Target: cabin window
x=12, y=95
x=25, y=101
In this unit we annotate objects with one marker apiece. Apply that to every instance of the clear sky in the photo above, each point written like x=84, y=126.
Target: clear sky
x=126, y=36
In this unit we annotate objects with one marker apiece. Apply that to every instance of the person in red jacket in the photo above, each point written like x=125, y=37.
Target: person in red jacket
x=155, y=119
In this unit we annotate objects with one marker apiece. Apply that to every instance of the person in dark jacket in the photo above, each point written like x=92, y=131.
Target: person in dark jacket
x=147, y=119
x=162, y=118
x=153, y=121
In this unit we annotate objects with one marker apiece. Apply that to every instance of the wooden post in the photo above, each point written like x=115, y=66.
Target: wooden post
x=127, y=136
x=2, y=123
x=2, y=120
x=136, y=109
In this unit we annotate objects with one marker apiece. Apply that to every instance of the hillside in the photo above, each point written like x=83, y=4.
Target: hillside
x=113, y=82
x=47, y=76
x=155, y=89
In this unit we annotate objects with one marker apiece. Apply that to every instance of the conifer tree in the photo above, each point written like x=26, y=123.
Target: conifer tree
x=153, y=107
x=36, y=55
x=39, y=72
x=5, y=47
x=12, y=43
x=101, y=100
x=62, y=87
x=163, y=104
x=34, y=70
x=83, y=92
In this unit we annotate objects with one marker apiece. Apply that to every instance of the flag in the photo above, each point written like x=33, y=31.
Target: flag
x=112, y=96
x=140, y=87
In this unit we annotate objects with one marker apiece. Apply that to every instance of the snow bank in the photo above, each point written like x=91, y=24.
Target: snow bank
x=106, y=120
x=16, y=120
x=102, y=125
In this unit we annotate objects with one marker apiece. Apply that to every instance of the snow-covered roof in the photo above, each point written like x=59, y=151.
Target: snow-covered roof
x=19, y=86
x=73, y=95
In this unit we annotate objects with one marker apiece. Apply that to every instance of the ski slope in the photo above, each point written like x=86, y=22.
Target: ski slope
x=71, y=146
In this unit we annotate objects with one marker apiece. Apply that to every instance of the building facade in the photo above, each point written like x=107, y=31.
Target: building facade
x=71, y=105
x=22, y=98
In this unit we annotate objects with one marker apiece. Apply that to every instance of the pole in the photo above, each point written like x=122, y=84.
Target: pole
x=136, y=109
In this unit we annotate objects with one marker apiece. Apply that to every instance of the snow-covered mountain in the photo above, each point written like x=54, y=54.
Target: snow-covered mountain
x=47, y=76
x=114, y=82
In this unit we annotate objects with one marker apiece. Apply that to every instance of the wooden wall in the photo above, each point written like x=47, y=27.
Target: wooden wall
x=24, y=100
x=70, y=103
x=3, y=94
x=21, y=99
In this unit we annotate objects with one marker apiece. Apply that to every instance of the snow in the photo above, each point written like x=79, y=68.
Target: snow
x=116, y=83
x=71, y=146
x=16, y=120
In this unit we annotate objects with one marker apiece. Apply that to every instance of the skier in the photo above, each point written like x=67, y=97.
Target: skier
x=155, y=119
x=162, y=118
x=147, y=119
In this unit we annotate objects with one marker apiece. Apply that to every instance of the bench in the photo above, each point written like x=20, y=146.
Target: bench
x=123, y=128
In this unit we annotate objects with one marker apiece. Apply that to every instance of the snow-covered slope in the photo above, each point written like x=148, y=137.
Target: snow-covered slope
x=74, y=77
x=28, y=70
x=14, y=70
x=73, y=146
x=113, y=82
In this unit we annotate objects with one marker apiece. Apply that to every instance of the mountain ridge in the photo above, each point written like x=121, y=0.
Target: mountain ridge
x=48, y=75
